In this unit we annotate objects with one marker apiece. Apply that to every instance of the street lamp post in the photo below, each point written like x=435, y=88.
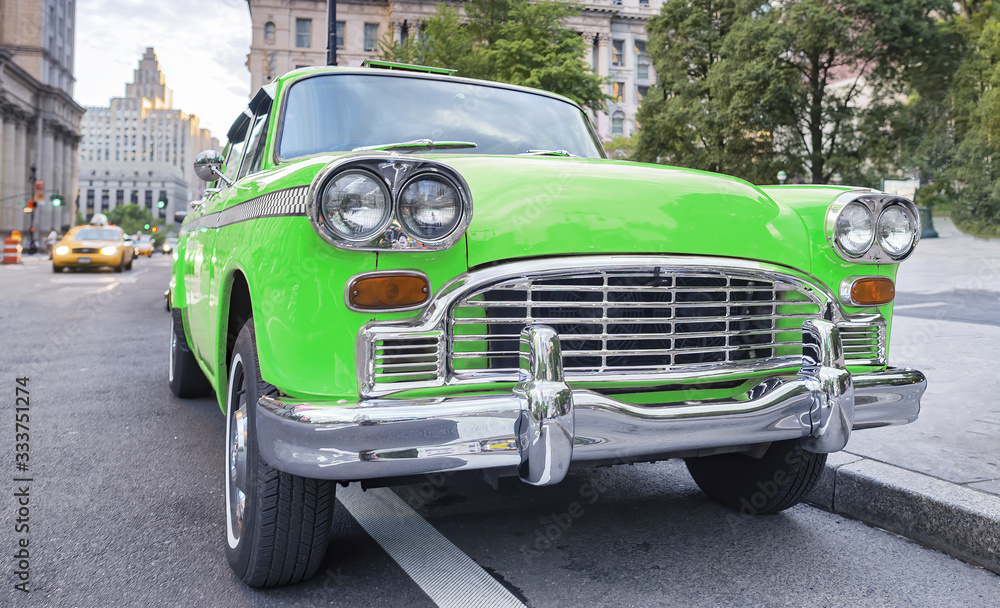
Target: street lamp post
x=331, y=34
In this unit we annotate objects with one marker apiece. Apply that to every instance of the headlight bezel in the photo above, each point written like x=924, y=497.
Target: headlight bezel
x=394, y=173
x=876, y=203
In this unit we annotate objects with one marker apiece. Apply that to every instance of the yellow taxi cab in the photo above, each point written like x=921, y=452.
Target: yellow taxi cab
x=92, y=246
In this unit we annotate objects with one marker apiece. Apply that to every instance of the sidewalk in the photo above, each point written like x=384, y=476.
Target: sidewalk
x=937, y=480
x=29, y=259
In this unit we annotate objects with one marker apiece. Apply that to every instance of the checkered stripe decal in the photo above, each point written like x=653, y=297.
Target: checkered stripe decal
x=283, y=203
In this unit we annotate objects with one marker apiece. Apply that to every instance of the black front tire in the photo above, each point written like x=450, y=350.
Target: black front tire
x=277, y=524
x=185, y=377
x=759, y=486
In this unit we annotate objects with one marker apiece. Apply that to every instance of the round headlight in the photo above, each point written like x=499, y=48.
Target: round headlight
x=62, y=250
x=355, y=206
x=430, y=208
x=854, y=231
x=108, y=250
x=896, y=230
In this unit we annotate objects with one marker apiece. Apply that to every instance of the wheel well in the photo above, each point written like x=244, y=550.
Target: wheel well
x=240, y=311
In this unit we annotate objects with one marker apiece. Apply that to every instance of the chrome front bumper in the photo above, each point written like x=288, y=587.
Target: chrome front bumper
x=544, y=425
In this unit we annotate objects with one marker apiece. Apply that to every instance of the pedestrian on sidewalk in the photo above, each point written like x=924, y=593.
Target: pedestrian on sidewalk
x=50, y=241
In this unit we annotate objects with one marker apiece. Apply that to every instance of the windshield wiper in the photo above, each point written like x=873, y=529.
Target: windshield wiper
x=417, y=145
x=549, y=153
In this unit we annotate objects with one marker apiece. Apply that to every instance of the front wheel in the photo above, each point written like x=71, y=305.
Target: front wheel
x=277, y=524
x=759, y=486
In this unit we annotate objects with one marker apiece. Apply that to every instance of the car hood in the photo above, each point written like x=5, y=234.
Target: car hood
x=544, y=206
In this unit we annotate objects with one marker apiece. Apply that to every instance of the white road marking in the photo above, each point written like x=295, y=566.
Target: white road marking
x=447, y=575
x=921, y=305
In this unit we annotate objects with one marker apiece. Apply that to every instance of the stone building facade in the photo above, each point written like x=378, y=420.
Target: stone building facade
x=288, y=34
x=39, y=120
x=140, y=149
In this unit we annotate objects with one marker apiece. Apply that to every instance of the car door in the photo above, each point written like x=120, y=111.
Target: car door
x=200, y=256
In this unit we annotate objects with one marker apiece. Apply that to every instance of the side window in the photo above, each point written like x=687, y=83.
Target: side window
x=233, y=157
x=258, y=139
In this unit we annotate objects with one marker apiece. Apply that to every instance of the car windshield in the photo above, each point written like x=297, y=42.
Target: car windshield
x=98, y=234
x=341, y=112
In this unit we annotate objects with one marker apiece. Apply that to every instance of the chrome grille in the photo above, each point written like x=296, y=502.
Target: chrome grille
x=406, y=359
x=864, y=343
x=635, y=321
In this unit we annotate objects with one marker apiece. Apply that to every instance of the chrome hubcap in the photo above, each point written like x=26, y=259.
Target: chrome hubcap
x=236, y=455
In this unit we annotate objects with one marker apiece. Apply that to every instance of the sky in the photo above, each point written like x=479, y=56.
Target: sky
x=201, y=45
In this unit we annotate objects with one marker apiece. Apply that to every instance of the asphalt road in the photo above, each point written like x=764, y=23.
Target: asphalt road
x=125, y=506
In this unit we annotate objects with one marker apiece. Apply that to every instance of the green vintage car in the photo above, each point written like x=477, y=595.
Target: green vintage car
x=400, y=272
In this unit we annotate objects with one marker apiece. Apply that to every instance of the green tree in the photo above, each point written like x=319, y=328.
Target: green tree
x=972, y=175
x=710, y=106
x=132, y=218
x=745, y=87
x=512, y=41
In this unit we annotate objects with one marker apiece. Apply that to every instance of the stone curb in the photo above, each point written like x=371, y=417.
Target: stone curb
x=949, y=517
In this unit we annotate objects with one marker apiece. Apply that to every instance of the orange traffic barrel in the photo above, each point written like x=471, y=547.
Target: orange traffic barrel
x=11, y=251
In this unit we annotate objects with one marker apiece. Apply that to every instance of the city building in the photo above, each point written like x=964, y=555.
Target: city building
x=140, y=149
x=39, y=121
x=288, y=34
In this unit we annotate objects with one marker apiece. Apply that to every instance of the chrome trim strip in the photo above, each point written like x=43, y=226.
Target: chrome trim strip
x=391, y=438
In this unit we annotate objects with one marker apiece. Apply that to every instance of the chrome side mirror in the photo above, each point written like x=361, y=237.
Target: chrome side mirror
x=208, y=166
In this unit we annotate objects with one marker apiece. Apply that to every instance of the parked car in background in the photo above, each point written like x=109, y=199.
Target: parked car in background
x=92, y=246
x=401, y=272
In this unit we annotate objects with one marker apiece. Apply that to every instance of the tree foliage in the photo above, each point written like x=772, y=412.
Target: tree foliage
x=512, y=41
x=132, y=218
x=707, y=109
x=972, y=173
x=747, y=87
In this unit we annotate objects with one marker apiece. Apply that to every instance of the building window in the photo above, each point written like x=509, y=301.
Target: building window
x=341, y=27
x=618, y=123
x=618, y=52
x=618, y=92
x=616, y=2
x=303, y=33
x=641, y=60
x=371, y=36
x=149, y=200
x=641, y=93
x=643, y=2
x=268, y=31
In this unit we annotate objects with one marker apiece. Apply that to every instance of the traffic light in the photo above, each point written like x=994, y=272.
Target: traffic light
x=161, y=204
x=146, y=226
x=56, y=200
x=154, y=229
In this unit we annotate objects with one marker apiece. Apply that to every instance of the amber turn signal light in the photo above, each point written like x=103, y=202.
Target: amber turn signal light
x=388, y=291
x=871, y=291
